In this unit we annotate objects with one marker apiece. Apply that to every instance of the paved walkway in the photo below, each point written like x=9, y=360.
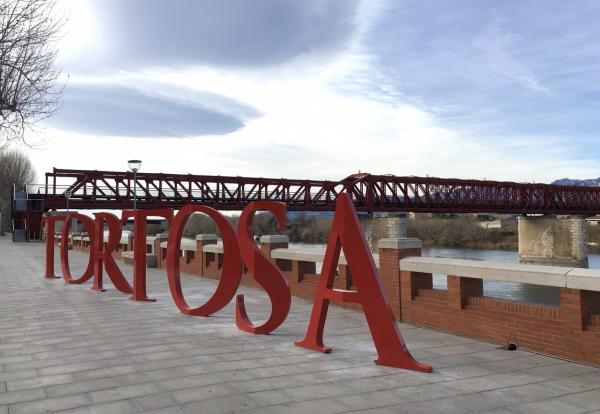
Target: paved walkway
x=64, y=348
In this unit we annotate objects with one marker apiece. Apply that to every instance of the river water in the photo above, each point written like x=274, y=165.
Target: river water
x=503, y=290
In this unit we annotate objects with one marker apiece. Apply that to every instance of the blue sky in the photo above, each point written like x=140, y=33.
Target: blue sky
x=323, y=88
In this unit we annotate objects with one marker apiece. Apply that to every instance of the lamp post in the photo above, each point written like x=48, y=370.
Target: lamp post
x=134, y=165
x=68, y=195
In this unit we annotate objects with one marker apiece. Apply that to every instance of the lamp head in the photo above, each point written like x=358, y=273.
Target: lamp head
x=134, y=165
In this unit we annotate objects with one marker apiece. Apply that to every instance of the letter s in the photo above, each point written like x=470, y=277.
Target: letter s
x=265, y=272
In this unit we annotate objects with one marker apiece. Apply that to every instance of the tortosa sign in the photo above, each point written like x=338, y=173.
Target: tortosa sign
x=239, y=248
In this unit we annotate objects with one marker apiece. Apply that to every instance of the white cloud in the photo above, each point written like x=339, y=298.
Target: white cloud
x=496, y=42
x=325, y=117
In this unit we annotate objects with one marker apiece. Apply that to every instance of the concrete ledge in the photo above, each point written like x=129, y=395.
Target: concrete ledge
x=401, y=243
x=302, y=255
x=186, y=244
x=274, y=238
x=150, y=258
x=125, y=236
x=584, y=279
x=510, y=272
x=213, y=248
x=207, y=237
x=310, y=256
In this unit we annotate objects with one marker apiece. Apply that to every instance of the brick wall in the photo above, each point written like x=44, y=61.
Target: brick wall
x=571, y=330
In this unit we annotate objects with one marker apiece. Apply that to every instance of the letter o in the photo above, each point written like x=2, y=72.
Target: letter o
x=88, y=223
x=231, y=273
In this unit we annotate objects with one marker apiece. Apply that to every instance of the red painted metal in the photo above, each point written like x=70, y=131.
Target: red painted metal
x=369, y=193
x=231, y=273
x=346, y=234
x=88, y=224
x=265, y=272
x=139, y=247
x=103, y=256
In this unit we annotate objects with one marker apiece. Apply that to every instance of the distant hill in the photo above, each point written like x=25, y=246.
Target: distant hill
x=590, y=182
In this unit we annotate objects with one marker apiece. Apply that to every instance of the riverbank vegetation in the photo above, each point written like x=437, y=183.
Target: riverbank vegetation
x=300, y=227
x=462, y=231
x=15, y=168
x=455, y=231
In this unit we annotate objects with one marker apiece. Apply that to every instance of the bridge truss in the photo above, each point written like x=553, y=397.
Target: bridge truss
x=370, y=193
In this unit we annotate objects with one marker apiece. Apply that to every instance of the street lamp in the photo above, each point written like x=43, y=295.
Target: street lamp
x=134, y=165
x=68, y=194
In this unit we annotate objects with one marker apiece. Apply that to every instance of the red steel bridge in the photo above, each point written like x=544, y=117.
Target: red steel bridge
x=371, y=193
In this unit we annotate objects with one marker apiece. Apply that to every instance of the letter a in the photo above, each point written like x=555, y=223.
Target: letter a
x=347, y=234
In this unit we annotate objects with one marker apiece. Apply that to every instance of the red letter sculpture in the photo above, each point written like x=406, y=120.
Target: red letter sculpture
x=264, y=271
x=347, y=234
x=50, y=231
x=103, y=256
x=231, y=274
x=88, y=223
x=139, y=247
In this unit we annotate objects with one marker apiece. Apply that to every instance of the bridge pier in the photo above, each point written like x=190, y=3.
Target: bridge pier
x=553, y=240
x=379, y=226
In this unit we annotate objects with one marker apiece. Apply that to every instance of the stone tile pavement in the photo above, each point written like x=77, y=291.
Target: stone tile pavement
x=67, y=349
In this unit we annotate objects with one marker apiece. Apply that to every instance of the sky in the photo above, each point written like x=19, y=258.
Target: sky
x=322, y=89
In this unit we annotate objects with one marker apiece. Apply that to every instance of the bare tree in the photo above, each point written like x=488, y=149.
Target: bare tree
x=15, y=168
x=29, y=87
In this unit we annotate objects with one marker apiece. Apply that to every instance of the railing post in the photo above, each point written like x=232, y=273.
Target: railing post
x=460, y=288
x=577, y=307
x=158, y=249
x=344, y=281
x=201, y=241
x=272, y=242
x=130, y=241
x=390, y=253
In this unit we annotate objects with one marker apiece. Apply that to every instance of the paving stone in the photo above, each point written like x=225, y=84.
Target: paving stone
x=380, y=410
x=11, y=397
x=154, y=401
x=167, y=410
x=69, y=368
x=223, y=405
x=547, y=406
x=103, y=372
x=189, y=381
x=590, y=400
x=79, y=387
x=204, y=393
x=323, y=406
x=38, y=382
x=124, y=392
x=48, y=405
x=115, y=407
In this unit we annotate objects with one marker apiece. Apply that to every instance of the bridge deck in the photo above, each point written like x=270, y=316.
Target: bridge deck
x=64, y=347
